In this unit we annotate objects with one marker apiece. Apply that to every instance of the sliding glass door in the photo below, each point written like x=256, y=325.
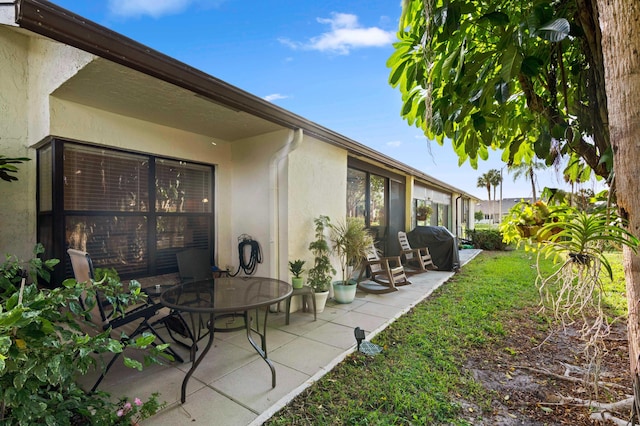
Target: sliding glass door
x=377, y=198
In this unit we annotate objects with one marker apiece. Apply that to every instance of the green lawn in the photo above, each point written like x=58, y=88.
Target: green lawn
x=417, y=378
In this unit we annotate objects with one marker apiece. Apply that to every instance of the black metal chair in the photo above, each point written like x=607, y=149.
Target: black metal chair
x=194, y=264
x=129, y=323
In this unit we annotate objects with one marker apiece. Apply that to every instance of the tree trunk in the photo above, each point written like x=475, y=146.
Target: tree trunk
x=533, y=183
x=620, y=26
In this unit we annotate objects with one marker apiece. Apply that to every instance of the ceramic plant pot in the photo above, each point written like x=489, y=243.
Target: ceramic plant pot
x=321, y=300
x=297, y=282
x=344, y=293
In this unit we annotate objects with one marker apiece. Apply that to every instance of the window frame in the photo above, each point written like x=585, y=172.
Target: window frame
x=52, y=224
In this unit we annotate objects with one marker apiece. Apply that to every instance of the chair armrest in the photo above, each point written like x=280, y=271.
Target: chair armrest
x=410, y=251
x=143, y=311
x=375, y=262
x=389, y=259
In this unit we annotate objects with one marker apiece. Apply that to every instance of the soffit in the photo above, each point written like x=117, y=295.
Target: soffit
x=108, y=86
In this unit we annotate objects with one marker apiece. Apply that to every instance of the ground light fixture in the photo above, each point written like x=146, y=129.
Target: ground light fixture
x=365, y=347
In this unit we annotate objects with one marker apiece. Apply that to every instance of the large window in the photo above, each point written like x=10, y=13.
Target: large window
x=130, y=212
x=376, y=196
x=367, y=199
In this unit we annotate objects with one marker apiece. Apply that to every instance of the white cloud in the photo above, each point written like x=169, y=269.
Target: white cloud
x=394, y=144
x=274, y=97
x=155, y=8
x=346, y=34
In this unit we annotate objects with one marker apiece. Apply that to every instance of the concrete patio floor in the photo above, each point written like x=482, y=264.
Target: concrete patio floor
x=232, y=385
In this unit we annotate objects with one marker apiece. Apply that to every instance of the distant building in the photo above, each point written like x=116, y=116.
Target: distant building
x=495, y=210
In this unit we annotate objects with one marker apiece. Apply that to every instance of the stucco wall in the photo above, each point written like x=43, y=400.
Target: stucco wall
x=275, y=201
x=49, y=65
x=258, y=186
x=17, y=223
x=31, y=68
x=317, y=186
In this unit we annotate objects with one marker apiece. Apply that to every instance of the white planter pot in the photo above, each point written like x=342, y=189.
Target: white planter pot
x=321, y=300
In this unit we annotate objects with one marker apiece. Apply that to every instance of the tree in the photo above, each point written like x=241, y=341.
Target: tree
x=528, y=78
x=620, y=44
x=495, y=179
x=527, y=170
x=523, y=77
x=484, y=181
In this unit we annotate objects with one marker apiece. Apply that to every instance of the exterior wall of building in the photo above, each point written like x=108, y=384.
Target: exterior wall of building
x=459, y=221
x=49, y=65
x=17, y=219
x=252, y=205
x=253, y=192
x=317, y=186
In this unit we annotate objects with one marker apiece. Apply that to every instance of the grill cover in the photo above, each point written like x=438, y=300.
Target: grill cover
x=442, y=245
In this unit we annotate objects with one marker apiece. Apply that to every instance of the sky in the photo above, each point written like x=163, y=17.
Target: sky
x=323, y=60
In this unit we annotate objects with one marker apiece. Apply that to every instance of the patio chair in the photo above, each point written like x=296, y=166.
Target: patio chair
x=420, y=257
x=194, y=264
x=129, y=324
x=387, y=272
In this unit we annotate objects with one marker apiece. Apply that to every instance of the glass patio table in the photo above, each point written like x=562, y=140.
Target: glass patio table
x=217, y=297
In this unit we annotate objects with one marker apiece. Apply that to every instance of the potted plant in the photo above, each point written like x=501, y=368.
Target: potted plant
x=525, y=220
x=350, y=240
x=295, y=267
x=322, y=271
x=423, y=211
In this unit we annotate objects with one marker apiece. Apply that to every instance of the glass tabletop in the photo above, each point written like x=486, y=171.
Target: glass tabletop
x=229, y=294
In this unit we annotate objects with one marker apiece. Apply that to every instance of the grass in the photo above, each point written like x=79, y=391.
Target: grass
x=419, y=377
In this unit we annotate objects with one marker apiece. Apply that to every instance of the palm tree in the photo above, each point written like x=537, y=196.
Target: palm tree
x=527, y=170
x=495, y=179
x=485, y=182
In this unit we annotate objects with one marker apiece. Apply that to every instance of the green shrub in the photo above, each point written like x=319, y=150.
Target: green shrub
x=486, y=239
x=43, y=348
